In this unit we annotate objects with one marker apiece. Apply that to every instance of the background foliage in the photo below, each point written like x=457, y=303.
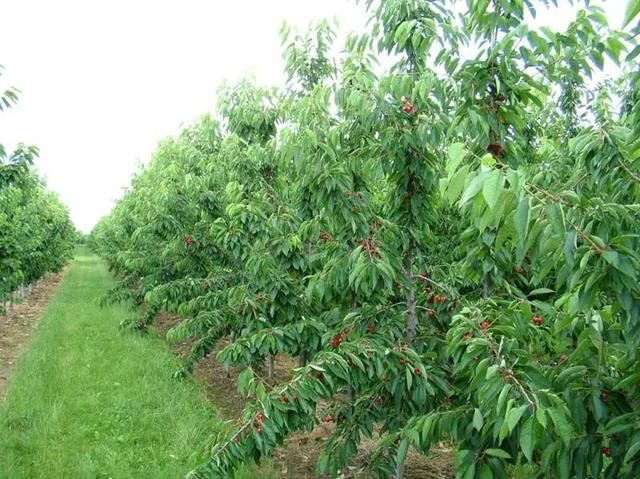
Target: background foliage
x=449, y=246
x=36, y=233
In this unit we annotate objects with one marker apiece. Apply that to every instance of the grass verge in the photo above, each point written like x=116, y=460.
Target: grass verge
x=90, y=402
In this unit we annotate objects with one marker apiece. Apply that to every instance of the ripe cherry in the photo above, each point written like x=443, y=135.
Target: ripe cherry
x=408, y=108
x=606, y=452
x=417, y=371
x=319, y=375
x=485, y=325
x=403, y=362
x=496, y=149
x=440, y=299
x=188, y=240
x=260, y=417
x=537, y=320
x=327, y=419
x=604, y=395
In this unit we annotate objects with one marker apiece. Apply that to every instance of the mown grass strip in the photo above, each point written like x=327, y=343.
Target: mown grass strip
x=88, y=401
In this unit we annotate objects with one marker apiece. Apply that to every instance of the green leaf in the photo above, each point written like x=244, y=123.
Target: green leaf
x=487, y=161
x=497, y=453
x=402, y=450
x=612, y=258
x=633, y=9
x=521, y=220
x=563, y=428
x=456, y=184
x=455, y=154
x=527, y=438
x=492, y=188
x=478, y=420
x=539, y=291
x=473, y=188
x=514, y=415
x=633, y=449
x=556, y=217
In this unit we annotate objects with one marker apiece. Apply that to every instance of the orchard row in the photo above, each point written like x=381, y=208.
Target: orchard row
x=449, y=247
x=36, y=233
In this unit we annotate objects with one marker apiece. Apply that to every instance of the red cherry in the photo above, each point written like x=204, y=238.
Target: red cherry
x=328, y=419
x=403, y=362
x=485, y=325
x=319, y=375
x=260, y=417
x=496, y=149
x=606, y=452
x=604, y=395
x=537, y=320
x=417, y=371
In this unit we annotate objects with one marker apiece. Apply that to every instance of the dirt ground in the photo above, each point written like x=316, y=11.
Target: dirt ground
x=17, y=326
x=297, y=458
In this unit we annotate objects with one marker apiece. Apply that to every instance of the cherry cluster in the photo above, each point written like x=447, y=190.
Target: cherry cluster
x=258, y=422
x=406, y=106
x=370, y=246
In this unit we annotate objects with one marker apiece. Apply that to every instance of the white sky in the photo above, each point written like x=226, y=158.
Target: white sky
x=103, y=81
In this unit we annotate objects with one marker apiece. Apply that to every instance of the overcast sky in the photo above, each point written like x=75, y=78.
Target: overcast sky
x=103, y=81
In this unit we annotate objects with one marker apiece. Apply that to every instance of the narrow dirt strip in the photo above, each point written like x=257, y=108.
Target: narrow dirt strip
x=18, y=325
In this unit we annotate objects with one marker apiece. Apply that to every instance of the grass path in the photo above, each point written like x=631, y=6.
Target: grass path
x=90, y=402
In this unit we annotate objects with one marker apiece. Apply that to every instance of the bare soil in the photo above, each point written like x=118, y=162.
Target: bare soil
x=297, y=458
x=17, y=326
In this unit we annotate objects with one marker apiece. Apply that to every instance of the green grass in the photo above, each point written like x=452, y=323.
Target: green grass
x=88, y=401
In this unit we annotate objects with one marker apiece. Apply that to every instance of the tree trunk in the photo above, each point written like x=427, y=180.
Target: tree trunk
x=412, y=319
x=486, y=280
x=269, y=367
x=302, y=361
